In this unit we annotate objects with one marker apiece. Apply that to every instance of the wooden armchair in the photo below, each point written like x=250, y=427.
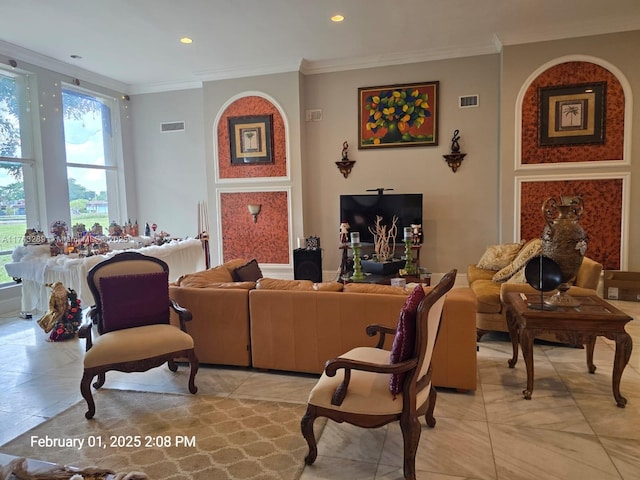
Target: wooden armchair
x=132, y=310
x=370, y=387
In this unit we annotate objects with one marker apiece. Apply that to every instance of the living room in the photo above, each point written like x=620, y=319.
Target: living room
x=168, y=175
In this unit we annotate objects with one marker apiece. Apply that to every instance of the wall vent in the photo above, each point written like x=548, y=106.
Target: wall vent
x=172, y=127
x=468, y=101
x=313, y=115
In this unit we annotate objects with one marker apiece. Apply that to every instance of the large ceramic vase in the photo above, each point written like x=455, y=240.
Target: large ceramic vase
x=564, y=241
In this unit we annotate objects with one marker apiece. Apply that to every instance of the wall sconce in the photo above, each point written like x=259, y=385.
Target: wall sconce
x=454, y=159
x=345, y=165
x=254, y=210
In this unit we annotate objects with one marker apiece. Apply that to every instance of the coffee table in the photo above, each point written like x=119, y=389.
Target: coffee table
x=576, y=325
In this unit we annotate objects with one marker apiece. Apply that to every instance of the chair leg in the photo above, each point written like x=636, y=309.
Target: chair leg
x=194, y=364
x=85, y=390
x=306, y=425
x=172, y=365
x=102, y=377
x=428, y=417
x=411, y=429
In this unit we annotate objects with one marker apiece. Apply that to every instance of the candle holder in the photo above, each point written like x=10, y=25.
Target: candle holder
x=409, y=266
x=357, y=267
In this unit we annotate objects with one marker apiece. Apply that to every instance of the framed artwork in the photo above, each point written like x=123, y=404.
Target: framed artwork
x=572, y=115
x=251, y=139
x=398, y=115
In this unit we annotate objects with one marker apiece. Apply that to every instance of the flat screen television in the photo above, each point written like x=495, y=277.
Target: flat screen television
x=360, y=212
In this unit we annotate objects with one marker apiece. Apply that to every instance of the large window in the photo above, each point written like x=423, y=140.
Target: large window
x=92, y=170
x=17, y=193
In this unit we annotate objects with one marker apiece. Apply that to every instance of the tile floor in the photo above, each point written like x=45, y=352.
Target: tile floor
x=571, y=429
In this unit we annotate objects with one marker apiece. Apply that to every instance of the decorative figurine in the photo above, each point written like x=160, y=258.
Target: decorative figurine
x=455, y=146
x=344, y=233
x=417, y=233
x=147, y=230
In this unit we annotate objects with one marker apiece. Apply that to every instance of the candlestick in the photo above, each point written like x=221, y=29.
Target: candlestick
x=357, y=267
x=409, y=266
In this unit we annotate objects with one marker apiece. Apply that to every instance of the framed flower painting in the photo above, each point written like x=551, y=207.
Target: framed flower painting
x=398, y=115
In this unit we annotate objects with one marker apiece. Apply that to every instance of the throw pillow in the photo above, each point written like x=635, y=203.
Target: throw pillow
x=249, y=272
x=405, y=338
x=530, y=250
x=280, y=284
x=134, y=300
x=496, y=257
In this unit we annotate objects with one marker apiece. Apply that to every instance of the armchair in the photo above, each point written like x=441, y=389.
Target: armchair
x=132, y=317
x=358, y=387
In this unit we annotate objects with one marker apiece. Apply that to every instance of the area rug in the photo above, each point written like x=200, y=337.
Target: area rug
x=173, y=437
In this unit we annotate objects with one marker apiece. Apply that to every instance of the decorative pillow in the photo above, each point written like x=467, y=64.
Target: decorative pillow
x=405, y=338
x=530, y=250
x=205, y=278
x=134, y=300
x=518, y=277
x=279, y=284
x=496, y=257
x=249, y=272
x=328, y=286
x=374, y=288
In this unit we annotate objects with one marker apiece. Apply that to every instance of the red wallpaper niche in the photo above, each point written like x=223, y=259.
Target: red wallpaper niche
x=566, y=74
x=602, y=219
x=267, y=240
x=244, y=106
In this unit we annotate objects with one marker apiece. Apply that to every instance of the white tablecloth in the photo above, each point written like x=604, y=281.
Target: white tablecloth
x=36, y=267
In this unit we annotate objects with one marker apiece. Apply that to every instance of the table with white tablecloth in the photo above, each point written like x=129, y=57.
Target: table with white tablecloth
x=36, y=268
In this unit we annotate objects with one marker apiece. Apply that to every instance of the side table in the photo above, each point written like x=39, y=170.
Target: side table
x=578, y=325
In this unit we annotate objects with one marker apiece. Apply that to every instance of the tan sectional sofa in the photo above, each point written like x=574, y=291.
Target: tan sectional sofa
x=491, y=311
x=296, y=325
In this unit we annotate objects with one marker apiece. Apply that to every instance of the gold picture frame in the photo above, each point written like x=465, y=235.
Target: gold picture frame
x=572, y=115
x=251, y=139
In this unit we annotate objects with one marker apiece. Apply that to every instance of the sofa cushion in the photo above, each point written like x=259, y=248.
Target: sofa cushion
x=496, y=257
x=328, y=286
x=530, y=250
x=374, y=288
x=134, y=300
x=279, y=284
x=487, y=294
x=249, y=272
x=474, y=273
x=405, y=338
x=204, y=278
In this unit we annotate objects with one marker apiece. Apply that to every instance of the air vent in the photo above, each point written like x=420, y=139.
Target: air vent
x=172, y=127
x=469, y=101
x=313, y=115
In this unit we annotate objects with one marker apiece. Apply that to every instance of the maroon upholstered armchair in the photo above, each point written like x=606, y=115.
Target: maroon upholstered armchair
x=131, y=313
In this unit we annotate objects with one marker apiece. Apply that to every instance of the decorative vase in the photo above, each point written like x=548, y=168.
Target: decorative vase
x=564, y=241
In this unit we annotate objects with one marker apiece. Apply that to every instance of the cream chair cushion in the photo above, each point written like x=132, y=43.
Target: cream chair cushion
x=368, y=392
x=136, y=344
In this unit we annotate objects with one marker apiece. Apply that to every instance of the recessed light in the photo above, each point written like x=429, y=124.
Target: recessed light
x=337, y=18
x=76, y=57
x=186, y=40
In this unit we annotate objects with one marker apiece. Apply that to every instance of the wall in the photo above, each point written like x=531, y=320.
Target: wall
x=170, y=166
x=460, y=209
x=519, y=62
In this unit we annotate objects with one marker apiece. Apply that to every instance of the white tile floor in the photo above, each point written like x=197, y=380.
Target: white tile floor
x=571, y=429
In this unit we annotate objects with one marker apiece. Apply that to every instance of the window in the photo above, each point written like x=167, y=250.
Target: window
x=92, y=170
x=18, y=199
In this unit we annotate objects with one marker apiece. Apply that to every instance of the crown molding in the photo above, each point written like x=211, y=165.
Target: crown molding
x=160, y=87
x=240, y=71
x=382, y=60
x=21, y=54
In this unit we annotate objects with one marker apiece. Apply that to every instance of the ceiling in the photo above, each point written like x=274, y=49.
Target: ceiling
x=134, y=44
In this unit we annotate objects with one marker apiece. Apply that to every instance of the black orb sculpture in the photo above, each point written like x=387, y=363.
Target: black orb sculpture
x=544, y=275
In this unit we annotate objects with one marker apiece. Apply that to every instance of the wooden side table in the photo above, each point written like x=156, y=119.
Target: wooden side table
x=578, y=325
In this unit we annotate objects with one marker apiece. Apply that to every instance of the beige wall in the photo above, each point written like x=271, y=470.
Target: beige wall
x=460, y=209
x=518, y=64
